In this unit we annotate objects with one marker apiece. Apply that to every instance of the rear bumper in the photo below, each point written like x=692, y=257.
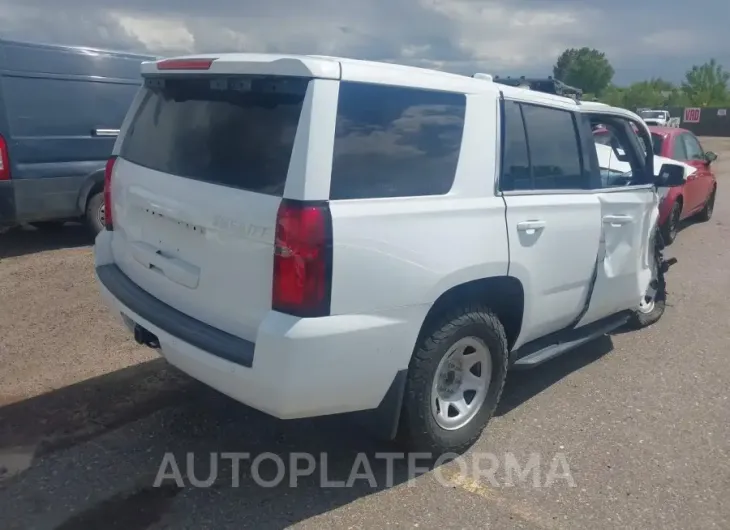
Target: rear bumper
x=7, y=203
x=296, y=368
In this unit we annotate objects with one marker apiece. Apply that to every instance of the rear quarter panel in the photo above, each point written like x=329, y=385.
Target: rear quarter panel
x=397, y=252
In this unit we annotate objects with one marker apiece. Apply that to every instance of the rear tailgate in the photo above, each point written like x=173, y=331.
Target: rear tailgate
x=199, y=177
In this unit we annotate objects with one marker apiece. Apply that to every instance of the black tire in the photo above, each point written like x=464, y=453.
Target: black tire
x=644, y=317
x=706, y=212
x=419, y=430
x=670, y=228
x=93, y=217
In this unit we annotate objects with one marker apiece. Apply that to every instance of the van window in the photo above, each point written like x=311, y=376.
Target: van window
x=47, y=107
x=395, y=141
x=236, y=132
x=515, y=158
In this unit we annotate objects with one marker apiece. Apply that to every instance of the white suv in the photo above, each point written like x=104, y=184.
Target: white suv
x=312, y=235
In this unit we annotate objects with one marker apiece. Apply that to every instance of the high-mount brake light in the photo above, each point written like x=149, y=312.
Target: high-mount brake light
x=185, y=64
x=302, y=280
x=108, y=170
x=4, y=159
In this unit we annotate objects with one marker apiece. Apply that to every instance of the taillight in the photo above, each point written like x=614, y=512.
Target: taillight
x=185, y=64
x=303, y=259
x=4, y=160
x=108, y=220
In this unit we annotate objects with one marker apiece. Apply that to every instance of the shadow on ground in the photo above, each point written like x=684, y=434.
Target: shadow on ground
x=29, y=240
x=118, y=428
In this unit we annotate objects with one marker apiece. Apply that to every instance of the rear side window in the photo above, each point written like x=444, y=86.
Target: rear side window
x=233, y=131
x=515, y=159
x=541, y=150
x=395, y=141
x=554, y=148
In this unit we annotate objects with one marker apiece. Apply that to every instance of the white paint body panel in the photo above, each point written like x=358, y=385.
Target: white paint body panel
x=393, y=257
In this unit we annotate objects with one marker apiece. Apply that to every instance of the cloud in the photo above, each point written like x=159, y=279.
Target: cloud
x=642, y=39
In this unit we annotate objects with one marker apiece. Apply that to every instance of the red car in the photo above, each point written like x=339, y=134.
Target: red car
x=697, y=196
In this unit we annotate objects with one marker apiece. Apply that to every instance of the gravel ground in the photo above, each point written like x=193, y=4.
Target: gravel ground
x=86, y=416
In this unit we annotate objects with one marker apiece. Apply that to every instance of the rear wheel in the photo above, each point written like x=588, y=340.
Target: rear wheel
x=94, y=216
x=670, y=228
x=706, y=212
x=455, y=381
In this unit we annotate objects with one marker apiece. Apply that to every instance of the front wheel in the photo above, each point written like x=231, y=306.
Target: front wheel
x=455, y=381
x=706, y=213
x=652, y=304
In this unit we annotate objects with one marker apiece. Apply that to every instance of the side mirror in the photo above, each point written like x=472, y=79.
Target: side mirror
x=670, y=176
x=710, y=157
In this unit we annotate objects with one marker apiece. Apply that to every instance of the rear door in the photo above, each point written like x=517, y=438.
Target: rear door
x=553, y=218
x=628, y=213
x=202, y=168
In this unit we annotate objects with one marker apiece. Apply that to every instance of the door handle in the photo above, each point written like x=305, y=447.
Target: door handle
x=105, y=132
x=525, y=226
x=617, y=220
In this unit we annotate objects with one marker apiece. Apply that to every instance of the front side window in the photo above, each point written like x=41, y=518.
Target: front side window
x=657, y=141
x=395, y=141
x=679, y=152
x=621, y=162
x=693, y=147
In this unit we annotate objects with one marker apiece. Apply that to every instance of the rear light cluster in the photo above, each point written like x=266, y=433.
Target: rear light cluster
x=4, y=160
x=108, y=219
x=302, y=282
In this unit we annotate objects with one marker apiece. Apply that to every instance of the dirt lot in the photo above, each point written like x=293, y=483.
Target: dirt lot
x=86, y=416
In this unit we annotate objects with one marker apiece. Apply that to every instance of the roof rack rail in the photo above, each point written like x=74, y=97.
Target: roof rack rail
x=542, y=84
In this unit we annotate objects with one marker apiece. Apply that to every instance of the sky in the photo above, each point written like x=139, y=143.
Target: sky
x=642, y=39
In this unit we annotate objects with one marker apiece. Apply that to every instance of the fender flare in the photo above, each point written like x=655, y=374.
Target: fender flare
x=94, y=181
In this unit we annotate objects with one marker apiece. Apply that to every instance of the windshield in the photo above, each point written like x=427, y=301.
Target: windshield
x=653, y=114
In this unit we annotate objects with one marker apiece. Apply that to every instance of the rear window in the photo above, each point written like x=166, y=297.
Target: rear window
x=395, y=141
x=233, y=131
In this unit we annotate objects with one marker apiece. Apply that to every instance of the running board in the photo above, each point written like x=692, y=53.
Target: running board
x=537, y=352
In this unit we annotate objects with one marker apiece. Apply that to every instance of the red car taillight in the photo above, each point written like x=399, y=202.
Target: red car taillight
x=108, y=220
x=4, y=160
x=302, y=280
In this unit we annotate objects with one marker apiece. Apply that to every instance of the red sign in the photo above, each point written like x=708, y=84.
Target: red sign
x=692, y=115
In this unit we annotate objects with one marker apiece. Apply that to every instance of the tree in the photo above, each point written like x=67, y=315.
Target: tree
x=706, y=85
x=584, y=68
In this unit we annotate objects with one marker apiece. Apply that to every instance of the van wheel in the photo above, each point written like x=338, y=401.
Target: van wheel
x=94, y=217
x=455, y=380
